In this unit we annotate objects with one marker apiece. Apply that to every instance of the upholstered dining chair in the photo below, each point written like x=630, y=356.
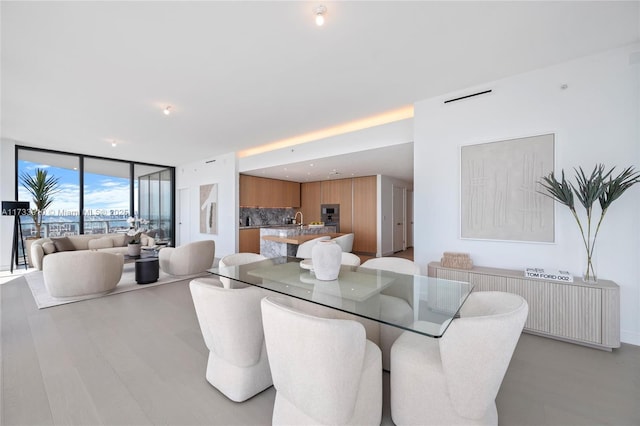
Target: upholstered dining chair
x=237, y=259
x=231, y=325
x=304, y=249
x=455, y=379
x=325, y=371
x=396, y=303
x=350, y=259
x=191, y=258
x=345, y=242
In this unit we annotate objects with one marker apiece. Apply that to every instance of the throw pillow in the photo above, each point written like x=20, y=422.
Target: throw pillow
x=48, y=247
x=119, y=240
x=100, y=243
x=63, y=244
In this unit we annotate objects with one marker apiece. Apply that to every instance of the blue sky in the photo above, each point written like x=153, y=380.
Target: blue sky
x=103, y=194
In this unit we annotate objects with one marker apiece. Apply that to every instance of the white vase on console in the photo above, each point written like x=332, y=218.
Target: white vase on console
x=326, y=257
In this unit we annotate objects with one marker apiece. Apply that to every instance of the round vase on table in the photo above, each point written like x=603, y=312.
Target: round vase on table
x=326, y=257
x=133, y=249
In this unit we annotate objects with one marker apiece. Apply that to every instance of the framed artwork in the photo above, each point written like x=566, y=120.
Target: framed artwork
x=209, y=208
x=499, y=197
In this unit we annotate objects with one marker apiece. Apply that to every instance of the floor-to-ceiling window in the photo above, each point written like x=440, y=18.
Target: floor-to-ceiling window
x=97, y=195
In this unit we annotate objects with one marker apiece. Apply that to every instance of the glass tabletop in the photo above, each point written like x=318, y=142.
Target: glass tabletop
x=417, y=303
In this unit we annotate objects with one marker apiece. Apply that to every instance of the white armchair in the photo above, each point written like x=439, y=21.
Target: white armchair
x=455, y=379
x=236, y=259
x=82, y=272
x=231, y=325
x=396, y=303
x=188, y=259
x=324, y=370
x=350, y=259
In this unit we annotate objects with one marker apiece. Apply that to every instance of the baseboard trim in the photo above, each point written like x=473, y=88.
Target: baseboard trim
x=630, y=337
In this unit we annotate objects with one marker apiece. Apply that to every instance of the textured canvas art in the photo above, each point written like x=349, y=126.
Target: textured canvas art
x=209, y=208
x=499, y=190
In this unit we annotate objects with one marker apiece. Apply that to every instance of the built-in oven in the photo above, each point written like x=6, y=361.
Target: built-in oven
x=330, y=215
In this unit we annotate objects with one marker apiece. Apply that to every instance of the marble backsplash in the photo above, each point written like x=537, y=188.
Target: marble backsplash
x=260, y=217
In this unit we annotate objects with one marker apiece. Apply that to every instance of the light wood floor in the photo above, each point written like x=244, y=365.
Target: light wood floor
x=138, y=358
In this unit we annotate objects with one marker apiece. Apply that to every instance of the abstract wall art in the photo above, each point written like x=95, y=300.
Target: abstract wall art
x=499, y=195
x=209, y=208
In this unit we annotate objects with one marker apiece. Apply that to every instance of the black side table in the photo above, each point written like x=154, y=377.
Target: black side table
x=147, y=270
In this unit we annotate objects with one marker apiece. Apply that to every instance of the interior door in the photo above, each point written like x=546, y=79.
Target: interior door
x=398, y=219
x=409, y=218
x=183, y=216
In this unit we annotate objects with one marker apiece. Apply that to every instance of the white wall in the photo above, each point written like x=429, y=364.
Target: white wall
x=385, y=217
x=595, y=120
x=224, y=172
x=7, y=193
x=395, y=133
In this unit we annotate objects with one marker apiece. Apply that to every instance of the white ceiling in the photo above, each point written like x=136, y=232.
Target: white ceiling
x=76, y=75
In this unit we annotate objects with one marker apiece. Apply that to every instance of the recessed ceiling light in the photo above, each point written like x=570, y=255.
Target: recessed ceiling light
x=114, y=144
x=320, y=11
x=311, y=165
x=167, y=110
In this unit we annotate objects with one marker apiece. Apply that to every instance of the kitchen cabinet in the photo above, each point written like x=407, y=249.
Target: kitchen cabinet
x=340, y=191
x=249, y=241
x=310, y=201
x=262, y=192
x=365, y=214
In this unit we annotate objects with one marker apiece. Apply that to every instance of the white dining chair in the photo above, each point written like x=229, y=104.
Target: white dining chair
x=231, y=325
x=237, y=259
x=304, y=249
x=455, y=379
x=396, y=302
x=345, y=242
x=350, y=259
x=324, y=370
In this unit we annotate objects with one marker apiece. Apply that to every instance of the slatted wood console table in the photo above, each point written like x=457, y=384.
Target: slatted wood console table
x=586, y=314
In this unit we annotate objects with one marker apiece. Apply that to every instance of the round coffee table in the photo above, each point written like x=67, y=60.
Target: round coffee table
x=147, y=270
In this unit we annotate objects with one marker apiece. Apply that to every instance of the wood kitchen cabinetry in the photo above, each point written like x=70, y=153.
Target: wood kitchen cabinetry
x=249, y=241
x=587, y=314
x=310, y=201
x=365, y=214
x=340, y=191
x=262, y=192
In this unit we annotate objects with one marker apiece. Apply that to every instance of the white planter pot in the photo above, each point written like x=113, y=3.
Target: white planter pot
x=133, y=249
x=326, y=257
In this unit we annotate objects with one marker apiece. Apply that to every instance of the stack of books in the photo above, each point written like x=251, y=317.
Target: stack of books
x=456, y=260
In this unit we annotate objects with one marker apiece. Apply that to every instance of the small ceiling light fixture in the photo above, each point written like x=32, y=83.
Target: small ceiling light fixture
x=167, y=110
x=114, y=144
x=320, y=11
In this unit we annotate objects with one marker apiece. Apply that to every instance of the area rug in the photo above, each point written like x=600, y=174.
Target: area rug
x=127, y=283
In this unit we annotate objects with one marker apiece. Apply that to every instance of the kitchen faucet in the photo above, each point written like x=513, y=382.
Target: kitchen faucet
x=301, y=218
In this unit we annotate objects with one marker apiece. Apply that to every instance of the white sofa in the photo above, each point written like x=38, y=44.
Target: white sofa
x=109, y=243
x=92, y=273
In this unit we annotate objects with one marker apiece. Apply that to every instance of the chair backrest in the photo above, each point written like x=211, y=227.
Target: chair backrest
x=230, y=320
x=237, y=259
x=316, y=363
x=350, y=259
x=477, y=348
x=191, y=258
x=400, y=266
x=345, y=242
x=304, y=249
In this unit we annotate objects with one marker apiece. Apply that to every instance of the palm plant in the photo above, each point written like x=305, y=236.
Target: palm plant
x=598, y=186
x=41, y=187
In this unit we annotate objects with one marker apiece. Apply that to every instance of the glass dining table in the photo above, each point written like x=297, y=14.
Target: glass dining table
x=428, y=304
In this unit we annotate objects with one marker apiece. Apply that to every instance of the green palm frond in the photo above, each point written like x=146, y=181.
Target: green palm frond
x=558, y=190
x=617, y=186
x=590, y=188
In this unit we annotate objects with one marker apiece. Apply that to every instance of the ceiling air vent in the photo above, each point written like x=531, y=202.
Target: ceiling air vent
x=467, y=96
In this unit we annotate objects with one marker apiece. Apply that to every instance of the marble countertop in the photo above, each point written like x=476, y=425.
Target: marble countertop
x=298, y=239
x=268, y=226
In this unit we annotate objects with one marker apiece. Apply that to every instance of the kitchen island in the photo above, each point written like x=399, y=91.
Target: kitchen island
x=284, y=241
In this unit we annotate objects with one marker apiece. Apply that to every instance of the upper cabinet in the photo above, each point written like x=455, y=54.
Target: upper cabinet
x=262, y=192
x=310, y=201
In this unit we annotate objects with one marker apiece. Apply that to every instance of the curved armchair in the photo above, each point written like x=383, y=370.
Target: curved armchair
x=455, y=379
x=324, y=370
x=236, y=259
x=80, y=273
x=396, y=303
x=231, y=325
x=188, y=259
x=350, y=259
x=304, y=249
x=345, y=242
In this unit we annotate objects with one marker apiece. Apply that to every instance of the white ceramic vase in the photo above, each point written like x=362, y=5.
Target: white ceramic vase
x=326, y=257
